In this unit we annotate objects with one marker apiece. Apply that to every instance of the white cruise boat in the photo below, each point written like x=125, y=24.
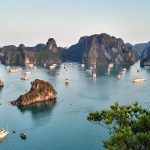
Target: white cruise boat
x=138, y=80
x=123, y=71
x=3, y=133
x=94, y=74
x=82, y=65
x=53, y=66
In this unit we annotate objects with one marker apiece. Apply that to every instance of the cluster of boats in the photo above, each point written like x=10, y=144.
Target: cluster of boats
x=27, y=74
x=5, y=132
x=91, y=71
x=123, y=72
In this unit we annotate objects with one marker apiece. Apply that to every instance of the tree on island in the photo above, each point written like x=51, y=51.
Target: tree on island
x=128, y=125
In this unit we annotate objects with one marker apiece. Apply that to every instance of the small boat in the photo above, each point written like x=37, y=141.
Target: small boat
x=138, y=80
x=133, y=67
x=119, y=76
x=30, y=65
x=34, y=67
x=63, y=66
x=138, y=70
x=66, y=81
x=94, y=74
x=89, y=71
x=123, y=71
x=3, y=133
x=108, y=70
x=14, y=131
x=53, y=66
x=15, y=69
x=7, y=67
x=91, y=68
x=44, y=65
x=23, y=136
x=26, y=76
x=82, y=65
x=110, y=66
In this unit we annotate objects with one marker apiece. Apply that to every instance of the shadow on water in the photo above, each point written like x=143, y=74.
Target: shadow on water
x=101, y=70
x=39, y=109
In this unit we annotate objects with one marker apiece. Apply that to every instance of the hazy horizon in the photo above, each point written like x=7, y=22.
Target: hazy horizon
x=33, y=22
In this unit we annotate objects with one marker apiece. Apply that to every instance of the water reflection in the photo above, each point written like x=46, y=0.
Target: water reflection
x=2, y=140
x=39, y=109
x=101, y=70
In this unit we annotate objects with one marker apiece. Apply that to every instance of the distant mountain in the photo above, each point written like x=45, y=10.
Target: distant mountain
x=145, y=56
x=91, y=50
x=139, y=48
x=38, y=47
x=142, y=51
x=99, y=49
x=37, y=55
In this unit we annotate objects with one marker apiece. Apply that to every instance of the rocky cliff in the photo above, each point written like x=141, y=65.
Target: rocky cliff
x=99, y=49
x=1, y=84
x=138, y=48
x=145, y=56
x=37, y=55
x=40, y=91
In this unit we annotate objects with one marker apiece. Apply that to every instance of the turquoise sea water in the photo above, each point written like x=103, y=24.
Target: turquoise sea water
x=62, y=125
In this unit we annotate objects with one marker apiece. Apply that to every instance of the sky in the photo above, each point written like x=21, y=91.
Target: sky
x=35, y=21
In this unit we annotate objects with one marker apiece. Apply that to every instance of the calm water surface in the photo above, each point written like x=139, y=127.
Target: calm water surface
x=63, y=125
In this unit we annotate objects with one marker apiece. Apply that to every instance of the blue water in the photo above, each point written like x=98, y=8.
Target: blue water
x=63, y=125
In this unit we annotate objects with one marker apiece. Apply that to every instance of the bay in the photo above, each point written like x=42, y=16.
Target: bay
x=63, y=124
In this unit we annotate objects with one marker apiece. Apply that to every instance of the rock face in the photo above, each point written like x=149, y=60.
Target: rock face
x=40, y=91
x=138, y=48
x=37, y=55
x=99, y=49
x=1, y=84
x=145, y=56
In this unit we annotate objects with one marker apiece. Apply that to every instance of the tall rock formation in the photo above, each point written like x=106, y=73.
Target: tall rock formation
x=139, y=48
x=100, y=49
x=40, y=91
x=37, y=55
x=145, y=56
